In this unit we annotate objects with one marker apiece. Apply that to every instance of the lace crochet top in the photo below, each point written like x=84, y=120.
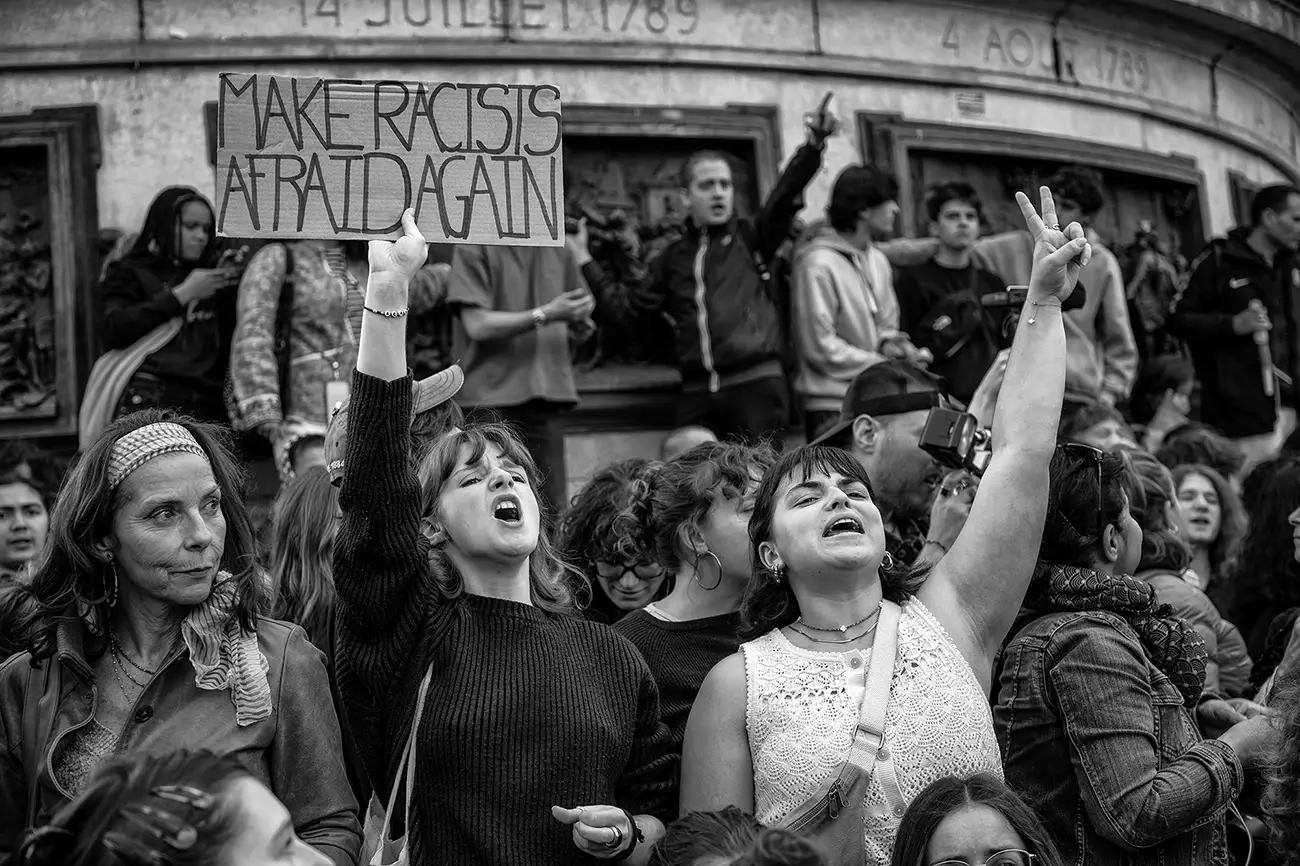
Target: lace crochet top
x=803, y=708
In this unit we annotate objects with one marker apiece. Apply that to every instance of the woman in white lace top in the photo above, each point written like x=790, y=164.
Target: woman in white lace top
x=773, y=723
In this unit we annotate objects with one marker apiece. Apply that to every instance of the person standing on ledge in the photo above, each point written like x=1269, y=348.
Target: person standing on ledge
x=716, y=284
x=1246, y=283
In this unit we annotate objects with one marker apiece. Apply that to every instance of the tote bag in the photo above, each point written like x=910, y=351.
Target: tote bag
x=378, y=844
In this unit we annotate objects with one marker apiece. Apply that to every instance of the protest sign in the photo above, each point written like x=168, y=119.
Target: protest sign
x=318, y=158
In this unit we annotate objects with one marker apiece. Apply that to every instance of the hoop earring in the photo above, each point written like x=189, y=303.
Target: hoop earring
x=887, y=561
x=112, y=597
x=717, y=583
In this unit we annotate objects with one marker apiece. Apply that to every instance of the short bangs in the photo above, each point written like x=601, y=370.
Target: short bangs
x=445, y=455
x=803, y=463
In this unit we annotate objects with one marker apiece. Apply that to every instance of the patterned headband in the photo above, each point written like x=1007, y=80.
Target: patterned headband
x=140, y=446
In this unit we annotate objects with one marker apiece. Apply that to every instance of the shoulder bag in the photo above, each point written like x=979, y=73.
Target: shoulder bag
x=834, y=815
x=378, y=842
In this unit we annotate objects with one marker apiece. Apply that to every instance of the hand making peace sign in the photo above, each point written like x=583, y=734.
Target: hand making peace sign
x=1058, y=255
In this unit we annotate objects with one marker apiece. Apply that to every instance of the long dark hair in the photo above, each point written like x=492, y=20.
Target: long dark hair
x=159, y=240
x=1151, y=494
x=553, y=583
x=1073, y=530
x=72, y=571
x=769, y=601
x=1265, y=579
x=302, y=553
x=945, y=796
x=1232, y=519
x=95, y=829
x=735, y=838
x=1195, y=442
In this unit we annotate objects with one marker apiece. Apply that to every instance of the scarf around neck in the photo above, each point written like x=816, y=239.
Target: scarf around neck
x=1171, y=644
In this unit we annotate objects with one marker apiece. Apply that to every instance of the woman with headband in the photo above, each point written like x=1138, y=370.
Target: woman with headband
x=147, y=639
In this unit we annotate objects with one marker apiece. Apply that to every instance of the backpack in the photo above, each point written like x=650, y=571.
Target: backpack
x=280, y=345
x=777, y=277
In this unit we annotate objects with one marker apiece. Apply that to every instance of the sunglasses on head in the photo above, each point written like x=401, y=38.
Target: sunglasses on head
x=1087, y=453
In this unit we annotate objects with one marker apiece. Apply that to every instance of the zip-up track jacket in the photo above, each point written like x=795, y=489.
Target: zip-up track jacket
x=724, y=313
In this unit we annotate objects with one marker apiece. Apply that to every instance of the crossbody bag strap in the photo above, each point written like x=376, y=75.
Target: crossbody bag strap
x=405, y=778
x=869, y=751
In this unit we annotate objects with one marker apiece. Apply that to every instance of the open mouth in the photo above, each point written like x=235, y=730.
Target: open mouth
x=844, y=526
x=507, y=509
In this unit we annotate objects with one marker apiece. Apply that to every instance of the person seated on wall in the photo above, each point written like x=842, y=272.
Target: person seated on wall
x=169, y=312
x=730, y=352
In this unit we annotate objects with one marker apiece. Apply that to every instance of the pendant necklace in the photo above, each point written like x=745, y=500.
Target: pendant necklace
x=839, y=628
x=795, y=628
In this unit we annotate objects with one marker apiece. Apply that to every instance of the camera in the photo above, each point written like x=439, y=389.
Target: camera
x=956, y=440
x=1004, y=308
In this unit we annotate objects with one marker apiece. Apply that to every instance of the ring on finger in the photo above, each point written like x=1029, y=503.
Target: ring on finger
x=617, y=841
x=1056, y=227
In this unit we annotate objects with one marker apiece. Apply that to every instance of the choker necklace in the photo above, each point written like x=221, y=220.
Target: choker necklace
x=794, y=628
x=841, y=628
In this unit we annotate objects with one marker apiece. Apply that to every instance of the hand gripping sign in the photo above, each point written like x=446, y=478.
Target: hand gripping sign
x=318, y=158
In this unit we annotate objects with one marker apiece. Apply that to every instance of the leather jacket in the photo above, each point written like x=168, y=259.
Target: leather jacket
x=297, y=752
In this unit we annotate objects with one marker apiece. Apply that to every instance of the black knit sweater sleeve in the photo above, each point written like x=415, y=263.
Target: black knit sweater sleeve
x=648, y=785
x=381, y=564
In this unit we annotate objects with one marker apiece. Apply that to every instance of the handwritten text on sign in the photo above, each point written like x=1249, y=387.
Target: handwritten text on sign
x=317, y=158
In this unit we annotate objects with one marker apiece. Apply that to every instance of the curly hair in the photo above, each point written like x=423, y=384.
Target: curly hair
x=952, y=793
x=1232, y=519
x=1281, y=802
x=1195, y=442
x=125, y=811
x=596, y=526
x=302, y=553
x=72, y=573
x=734, y=838
x=1265, y=579
x=1078, y=510
x=683, y=490
x=769, y=602
x=553, y=583
x=1151, y=494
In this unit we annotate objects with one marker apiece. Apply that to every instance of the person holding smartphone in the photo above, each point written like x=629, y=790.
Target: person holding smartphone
x=169, y=298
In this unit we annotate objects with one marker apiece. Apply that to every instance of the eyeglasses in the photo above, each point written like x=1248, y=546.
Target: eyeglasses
x=642, y=570
x=1009, y=857
x=1078, y=449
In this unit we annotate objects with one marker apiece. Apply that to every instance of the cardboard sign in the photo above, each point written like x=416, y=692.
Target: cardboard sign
x=318, y=158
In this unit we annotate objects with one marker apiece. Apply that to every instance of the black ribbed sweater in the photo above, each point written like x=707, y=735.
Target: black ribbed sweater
x=526, y=709
x=680, y=655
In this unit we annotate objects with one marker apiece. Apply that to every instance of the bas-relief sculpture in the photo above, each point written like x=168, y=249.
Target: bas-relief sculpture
x=28, y=364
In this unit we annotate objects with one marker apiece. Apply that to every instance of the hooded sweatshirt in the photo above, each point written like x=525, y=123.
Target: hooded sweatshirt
x=844, y=308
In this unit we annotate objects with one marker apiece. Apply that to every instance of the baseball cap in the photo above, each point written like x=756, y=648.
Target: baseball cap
x=888, y=388
x=427, y=393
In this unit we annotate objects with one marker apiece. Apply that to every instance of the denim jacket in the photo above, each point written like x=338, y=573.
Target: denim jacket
x=297, y=752
x=1100, y=741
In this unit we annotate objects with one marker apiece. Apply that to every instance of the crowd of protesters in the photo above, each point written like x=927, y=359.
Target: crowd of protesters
x=1075, y=641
